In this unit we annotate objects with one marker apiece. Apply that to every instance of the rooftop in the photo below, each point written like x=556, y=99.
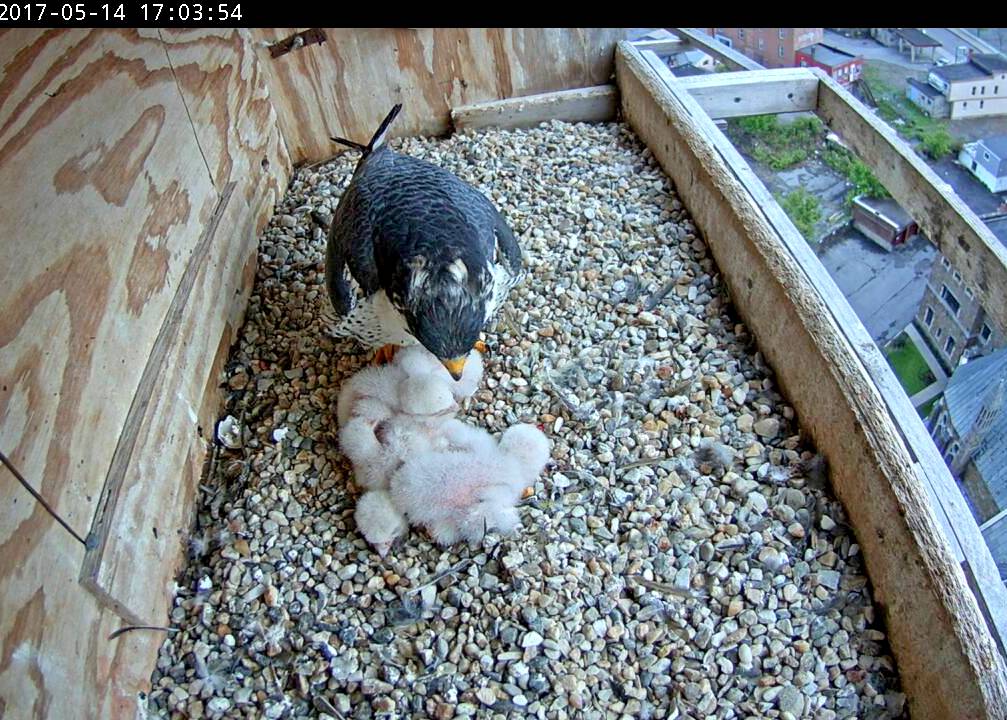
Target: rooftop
x=989, y=62
x=925, y=88
x=996, y=144
x=827, y=55
x=916, y=38
x=960, y=71
x=886, y=207
x=689, y=70
x=966, y=391
x=999, y=227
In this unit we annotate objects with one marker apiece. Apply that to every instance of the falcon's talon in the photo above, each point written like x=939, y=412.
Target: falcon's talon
x=481, y=347
x=384, y=354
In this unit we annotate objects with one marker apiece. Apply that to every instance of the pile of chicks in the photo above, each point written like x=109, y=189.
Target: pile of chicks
x=420, y=465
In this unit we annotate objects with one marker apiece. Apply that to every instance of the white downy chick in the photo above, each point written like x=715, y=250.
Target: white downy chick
x=456, y=495
x=461, y=436
x=379, y=521
x=416, y=360
x=378, y=383
x=426, y=394
x=529, y=446
x=358, y=439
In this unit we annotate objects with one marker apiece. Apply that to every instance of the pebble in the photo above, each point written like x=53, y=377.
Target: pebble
x=532, y=639
x=669, y=466
x=767, y=427
x=790, y=700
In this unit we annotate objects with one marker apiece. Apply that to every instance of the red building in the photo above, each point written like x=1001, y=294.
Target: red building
x=841, y=66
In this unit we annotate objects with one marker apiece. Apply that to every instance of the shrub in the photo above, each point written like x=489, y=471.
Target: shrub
x=803, y=209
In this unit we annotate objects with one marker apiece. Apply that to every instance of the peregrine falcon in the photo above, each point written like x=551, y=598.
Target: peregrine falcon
x=416, y=255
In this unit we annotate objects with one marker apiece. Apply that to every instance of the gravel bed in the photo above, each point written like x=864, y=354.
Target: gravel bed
x=681, y=557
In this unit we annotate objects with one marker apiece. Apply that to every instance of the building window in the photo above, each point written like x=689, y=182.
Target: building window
x=940, y=331
x=762, y=43
x=981, y=103
x=973, y=89
x=958, y=276
x=968, y=291
x=741, y=36
x=996, y=89
x=780, y=33
x=929, y=316
x=950, y=299
x=945, y=262
x=952, y=452
x=965, y=104
x=949, y=346
x=986, y=156
x=982, y=90
x=985, y=333
x=780, y=53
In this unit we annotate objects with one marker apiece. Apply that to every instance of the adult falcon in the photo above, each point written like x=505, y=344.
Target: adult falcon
x=416, y=255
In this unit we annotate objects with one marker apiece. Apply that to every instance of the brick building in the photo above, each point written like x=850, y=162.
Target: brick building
x=841, y=66
x=770, y=47
x=951, y=319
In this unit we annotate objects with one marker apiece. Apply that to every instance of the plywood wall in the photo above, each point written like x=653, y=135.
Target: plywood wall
x=137, y=169
x=347, y=84
x=115, y=149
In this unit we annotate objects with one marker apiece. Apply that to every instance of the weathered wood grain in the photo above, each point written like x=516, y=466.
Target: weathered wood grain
x=947, y=660
x=105, y=197
x=346, y=85
x=762, y=92
x=593, y=104
x=115, y=147
x=142, y=518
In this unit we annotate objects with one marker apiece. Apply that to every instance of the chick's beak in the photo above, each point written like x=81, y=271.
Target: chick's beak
x=455, y=366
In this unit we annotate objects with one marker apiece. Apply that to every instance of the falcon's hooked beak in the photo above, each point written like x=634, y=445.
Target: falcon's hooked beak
x=455, y=366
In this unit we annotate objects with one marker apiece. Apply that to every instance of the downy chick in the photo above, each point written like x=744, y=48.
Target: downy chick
x=416, y=360
x=378, y=383
x=379, y=521
x=529, y=448
x=377, y=439
x=456, y=495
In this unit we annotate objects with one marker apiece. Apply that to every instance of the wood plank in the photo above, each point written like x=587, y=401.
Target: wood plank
x=947, y=660
x=141, y=517
x=762, y=92
x=943, y=217
x=956, y=520
x=729, y=56
x=904, y=416
x=662, y=48
x=593, y=104
x=346, y=85
x=107, y=188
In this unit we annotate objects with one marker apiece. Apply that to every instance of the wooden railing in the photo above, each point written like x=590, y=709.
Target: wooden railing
x=946, y=607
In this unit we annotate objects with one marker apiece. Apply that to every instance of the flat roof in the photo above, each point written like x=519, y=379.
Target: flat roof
x=827, y=54
x=960, y=71
x=885, y=207
x=925, y=88
x=916, y=38
x=990, y=62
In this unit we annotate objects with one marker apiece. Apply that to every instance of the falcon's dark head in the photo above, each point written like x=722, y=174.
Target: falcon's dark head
x=445, y=309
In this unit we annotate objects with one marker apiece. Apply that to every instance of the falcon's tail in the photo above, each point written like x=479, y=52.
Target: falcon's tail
x=379, y=137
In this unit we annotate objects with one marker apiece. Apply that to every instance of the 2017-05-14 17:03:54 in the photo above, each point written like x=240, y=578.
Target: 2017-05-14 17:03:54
x=149, y=12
